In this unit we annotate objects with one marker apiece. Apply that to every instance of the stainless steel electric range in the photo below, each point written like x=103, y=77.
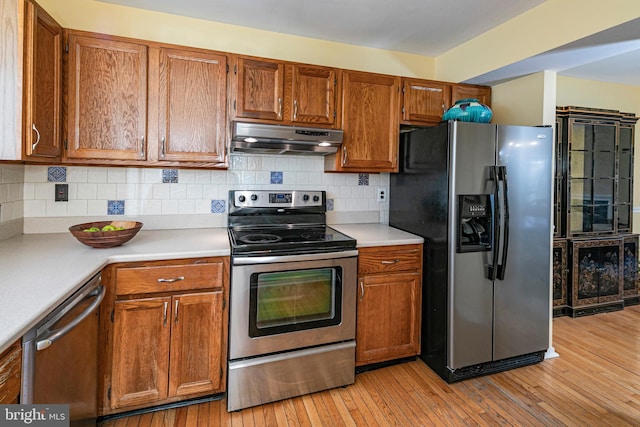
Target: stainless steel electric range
x=293, y=298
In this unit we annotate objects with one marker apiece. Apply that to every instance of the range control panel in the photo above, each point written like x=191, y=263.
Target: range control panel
x=277, y=199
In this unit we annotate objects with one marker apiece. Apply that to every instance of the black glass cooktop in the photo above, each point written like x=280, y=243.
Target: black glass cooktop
x=288, y=240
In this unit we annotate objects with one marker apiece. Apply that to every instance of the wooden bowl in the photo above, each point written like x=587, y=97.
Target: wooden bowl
x=105, y=239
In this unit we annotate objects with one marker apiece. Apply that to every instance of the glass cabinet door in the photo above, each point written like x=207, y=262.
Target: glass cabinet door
x=592, y=176
x=625, y=178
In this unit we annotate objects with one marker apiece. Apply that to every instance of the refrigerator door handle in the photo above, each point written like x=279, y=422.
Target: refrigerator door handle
x=504, y=243
x=493, y=267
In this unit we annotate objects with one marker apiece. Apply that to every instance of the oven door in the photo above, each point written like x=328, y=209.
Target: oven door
x=284, y=303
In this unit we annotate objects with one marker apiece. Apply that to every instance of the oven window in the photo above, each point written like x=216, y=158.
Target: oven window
x=288, y=301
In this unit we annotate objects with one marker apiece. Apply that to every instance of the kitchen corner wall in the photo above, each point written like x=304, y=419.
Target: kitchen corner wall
x=11, y=200
x=177, y=198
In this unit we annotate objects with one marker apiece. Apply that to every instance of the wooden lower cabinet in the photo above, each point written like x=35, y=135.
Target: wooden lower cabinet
x=10, y=373
x=167, y=345
x=389, y=303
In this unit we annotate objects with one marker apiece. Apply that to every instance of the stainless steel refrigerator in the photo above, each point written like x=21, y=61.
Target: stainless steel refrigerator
x=480, y=195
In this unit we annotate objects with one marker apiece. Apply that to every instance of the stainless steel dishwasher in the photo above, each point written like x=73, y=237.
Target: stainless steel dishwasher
x=60, y=356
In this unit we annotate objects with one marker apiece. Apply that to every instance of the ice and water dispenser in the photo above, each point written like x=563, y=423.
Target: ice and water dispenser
x=474, y=223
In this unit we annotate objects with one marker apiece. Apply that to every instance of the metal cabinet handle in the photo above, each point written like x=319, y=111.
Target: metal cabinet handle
x=344, y=155
x=361, y=290
x=279, y=108
x=162, y=147
x=142, y=146
x=295, y=109
x=395, y=261
x=164, y=317
x=173, y=280
x=175, y=312
x=35, y=144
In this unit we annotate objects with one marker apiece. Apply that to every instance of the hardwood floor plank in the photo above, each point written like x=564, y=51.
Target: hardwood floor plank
x=594, y=382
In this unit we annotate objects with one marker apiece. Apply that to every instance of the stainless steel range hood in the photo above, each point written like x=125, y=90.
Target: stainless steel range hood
x=275, y=139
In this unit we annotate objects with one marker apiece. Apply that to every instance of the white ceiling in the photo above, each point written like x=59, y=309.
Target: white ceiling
x=424, y=27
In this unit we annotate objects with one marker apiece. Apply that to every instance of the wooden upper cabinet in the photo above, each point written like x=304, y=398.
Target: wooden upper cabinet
x=284, y=93
x=481, y=93
x=424, y=101
x=259, y=89
x=370, y=105
x=192, y=106
x=42, y=91
x=107, y=98
x=313, y=95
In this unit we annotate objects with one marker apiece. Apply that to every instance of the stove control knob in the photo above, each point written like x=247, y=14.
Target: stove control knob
x=254, y=197
x=316, y=198
x=241, y=198
x=305, y=197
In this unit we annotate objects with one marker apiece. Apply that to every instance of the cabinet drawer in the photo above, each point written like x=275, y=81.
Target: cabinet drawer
x=10, y=368
x=169, y=278
x=389, y=258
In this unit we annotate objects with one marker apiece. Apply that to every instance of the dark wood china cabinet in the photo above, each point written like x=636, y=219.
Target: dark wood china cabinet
x=593, y=212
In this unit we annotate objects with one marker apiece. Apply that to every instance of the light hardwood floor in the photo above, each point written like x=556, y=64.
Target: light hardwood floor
x=594, y=382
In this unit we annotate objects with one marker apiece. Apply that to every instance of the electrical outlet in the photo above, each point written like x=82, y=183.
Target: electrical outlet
x=382, y=194
x=62, y=193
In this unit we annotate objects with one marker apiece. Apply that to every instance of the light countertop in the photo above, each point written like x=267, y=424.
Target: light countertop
x=39, y=271
x=377, y=235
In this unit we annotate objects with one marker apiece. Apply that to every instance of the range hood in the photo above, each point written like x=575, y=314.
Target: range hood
x=275, y=139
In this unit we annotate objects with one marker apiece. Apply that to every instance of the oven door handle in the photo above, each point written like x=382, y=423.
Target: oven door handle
x=245, y=260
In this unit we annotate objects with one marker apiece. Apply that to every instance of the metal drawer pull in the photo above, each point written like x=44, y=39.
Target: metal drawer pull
x=175, y=279
x=35, y=144
x=395, y=261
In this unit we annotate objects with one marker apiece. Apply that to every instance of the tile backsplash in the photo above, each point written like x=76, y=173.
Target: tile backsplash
x=176, y=198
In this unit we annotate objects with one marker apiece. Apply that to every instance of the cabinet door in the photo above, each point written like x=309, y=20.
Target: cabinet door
x=197, y=356
x=370, y=103
x=42, y=84
x=10, y=373
x=192, y=106
x=140, y=366
x=107, y=87
x=481, y=93
x=313, y=95
x=597, y=271
x=424, y=101
x=388, y=325
x=560, y=273
x=259, y=89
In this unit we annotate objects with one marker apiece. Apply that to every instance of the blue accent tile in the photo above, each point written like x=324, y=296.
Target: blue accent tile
x=115, y=207
x=363, y=179
x=329, y=204
x=276, y=177
x=218, y=206
x=170, y=176
x=57, y=174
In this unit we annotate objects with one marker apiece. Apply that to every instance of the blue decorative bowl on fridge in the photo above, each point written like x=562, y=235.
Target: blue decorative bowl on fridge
x=468, y=110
